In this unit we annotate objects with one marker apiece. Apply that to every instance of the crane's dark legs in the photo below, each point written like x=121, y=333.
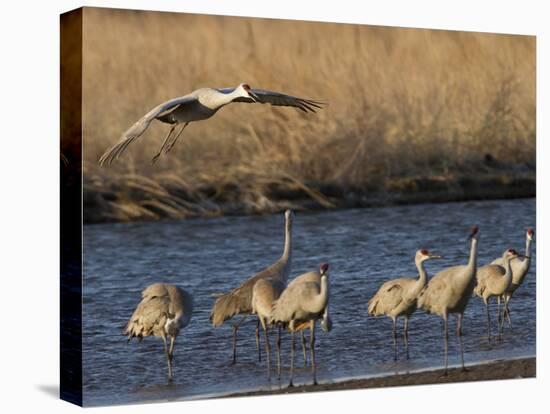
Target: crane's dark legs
x=304, y=348
x=394, y=335
x=406, y=335
x=175, y=139
x=235, y=328
x=278, y=343
x=258, y=340
x=291, y=360
x=488, y=320
x=507, y=313
x=507, y=298
x=312, y=350
x=163, y=143
x=168, y=358
x=446, y=335
x=267, y=348
x=459, y=336
x=499, y=324
x=171, y=354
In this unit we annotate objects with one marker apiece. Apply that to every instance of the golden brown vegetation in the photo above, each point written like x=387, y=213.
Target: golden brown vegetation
x=403, y=104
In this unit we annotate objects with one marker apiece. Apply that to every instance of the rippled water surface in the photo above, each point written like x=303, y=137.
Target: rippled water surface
x=364, y=248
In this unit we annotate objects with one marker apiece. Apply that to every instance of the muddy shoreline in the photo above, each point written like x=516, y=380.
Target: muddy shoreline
x=495, y=370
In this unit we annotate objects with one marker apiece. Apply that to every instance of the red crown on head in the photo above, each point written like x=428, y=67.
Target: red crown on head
x=424, y=252
x=530, y=231
x=475, y=229
x=246, y=87
x=324, y=267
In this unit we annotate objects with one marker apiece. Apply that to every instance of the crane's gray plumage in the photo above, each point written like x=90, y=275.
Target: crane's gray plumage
x=163, y=311
x=302, y=303
x=398, y=297
x=197, y=106
x=520, y=268
x=494, y=280
x=239, y=300
x=449, y=292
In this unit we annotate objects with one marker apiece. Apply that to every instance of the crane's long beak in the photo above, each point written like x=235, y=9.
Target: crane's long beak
x=253, y=96
x=435, y=256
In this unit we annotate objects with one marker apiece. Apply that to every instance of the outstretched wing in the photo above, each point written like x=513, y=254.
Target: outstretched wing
x=278, y=99
x=136, y=130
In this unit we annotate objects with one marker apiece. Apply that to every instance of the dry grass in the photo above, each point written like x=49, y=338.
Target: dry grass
x=402, y=103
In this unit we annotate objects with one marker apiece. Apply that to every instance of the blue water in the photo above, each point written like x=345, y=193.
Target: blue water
x=364, y=248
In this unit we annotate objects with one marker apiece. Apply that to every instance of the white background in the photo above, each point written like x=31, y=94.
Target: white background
x=29, y=214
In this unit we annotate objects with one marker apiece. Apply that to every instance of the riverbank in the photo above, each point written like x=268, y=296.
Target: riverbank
x=436, y=116
x=494, y=370
x=130, y=197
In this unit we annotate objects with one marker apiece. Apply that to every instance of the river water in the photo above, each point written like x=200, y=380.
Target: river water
x=364, y=248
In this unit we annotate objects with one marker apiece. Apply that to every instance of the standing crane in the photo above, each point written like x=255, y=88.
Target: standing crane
x=197, y=106
x=163, y=311
x=302, y=303
x=520, y=268
x=494, y=280
x=449, y=292
x=398, y=297
x=239, y=300
x=264, y=293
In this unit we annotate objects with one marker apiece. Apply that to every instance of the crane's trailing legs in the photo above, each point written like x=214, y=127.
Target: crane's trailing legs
x=172, y=127
x=171, y=144
x=167, y=143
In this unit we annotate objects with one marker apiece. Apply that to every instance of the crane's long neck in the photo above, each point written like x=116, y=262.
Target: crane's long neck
x=286, y=258
x=527, y=261
x=320, y=301
x=422, y=275
x=472, y=263
x=508, y=274
x=223, y=99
